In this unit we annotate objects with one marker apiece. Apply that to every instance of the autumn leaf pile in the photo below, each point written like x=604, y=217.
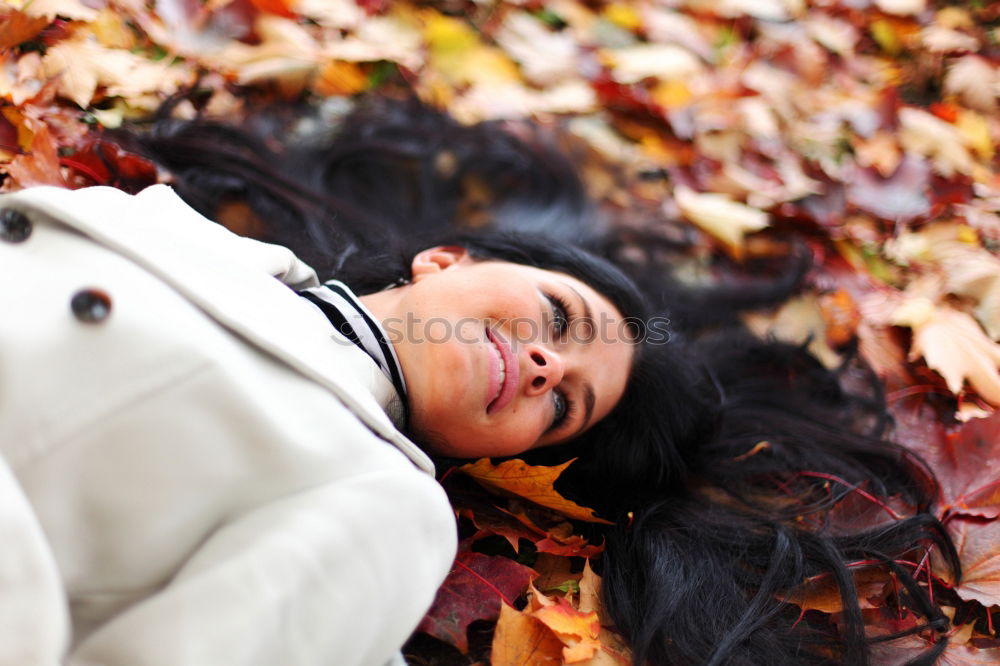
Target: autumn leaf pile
x=866, y=128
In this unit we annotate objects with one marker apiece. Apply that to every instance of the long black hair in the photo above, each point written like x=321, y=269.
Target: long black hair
x=723, y=460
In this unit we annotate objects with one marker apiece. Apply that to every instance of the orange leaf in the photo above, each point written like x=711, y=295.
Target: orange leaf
x=578, y=631
x=277, y=7
x=533, y=483
x=340, y=78
x=821, y=592
x=521, y=640
x=17, y=27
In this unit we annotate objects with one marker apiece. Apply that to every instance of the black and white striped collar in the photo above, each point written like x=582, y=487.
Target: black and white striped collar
x=355, y=322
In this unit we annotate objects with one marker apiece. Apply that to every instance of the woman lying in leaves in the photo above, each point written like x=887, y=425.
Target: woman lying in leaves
x=220, y=470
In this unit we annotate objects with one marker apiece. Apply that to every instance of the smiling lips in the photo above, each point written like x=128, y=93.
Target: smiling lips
x=503, y=373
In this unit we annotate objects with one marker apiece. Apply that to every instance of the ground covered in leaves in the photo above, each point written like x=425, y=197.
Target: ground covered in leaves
x=868, y=128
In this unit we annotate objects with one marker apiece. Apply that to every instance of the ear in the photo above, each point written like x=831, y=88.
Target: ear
x=437, y=259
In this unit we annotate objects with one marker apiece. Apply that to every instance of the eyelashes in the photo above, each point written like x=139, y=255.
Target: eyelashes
x=563, y=407
x=560, y=314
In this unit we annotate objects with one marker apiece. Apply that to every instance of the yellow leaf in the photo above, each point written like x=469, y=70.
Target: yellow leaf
x=720, y=216
x=884, y=34
x=457, y=52
x=671, y=93
x=530, y=482
x=110, y=29
x=976, y=132
x=623, y=15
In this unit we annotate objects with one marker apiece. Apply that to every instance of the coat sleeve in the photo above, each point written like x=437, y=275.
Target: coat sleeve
x=339, y=575
x=34, y=619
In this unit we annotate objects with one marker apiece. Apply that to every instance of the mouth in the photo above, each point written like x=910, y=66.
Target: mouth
x=503, y=373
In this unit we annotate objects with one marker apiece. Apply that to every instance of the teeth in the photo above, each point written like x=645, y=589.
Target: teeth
x=503, y=371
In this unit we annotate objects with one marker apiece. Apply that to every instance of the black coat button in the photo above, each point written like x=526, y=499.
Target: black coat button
x=15, y=226
x=91, y=306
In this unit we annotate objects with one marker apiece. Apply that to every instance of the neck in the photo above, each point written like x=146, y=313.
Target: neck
x=385, y=304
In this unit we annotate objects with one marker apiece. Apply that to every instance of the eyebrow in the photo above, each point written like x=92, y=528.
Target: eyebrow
x=588, y=407
x=587, y=314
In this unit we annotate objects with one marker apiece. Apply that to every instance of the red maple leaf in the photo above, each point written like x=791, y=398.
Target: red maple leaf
x=473, y=591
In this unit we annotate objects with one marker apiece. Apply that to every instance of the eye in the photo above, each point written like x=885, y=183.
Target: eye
x=560, y=314
x=562, y=409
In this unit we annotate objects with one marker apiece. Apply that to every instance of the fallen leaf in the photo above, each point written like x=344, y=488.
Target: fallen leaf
x=577, y=630
x=522, y=640
x=723, y=218
x=613, y=650
x=71, y=9
x=105, y=163
x=821, y=593
x=634, y=63
x=474, y=590
x=923, y=134
x=978, y=544
x=952, y=343
x=553, y=571
x=287, y=53
x=797, y=321
x=900, y=197
x=17, y=27
x=457, y=53
x=531, y=482
x=879, y=151
x=901, y=7
x=545, y=57
x=975, y=81
x=904, y=650
x=841, y=315
x=41, y=165
x=81, y=65
x=967, y=465
x=340, y=78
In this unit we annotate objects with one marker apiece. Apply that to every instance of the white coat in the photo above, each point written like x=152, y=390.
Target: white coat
x=203, y=477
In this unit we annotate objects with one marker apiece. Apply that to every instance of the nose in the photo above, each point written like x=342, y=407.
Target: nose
x=545, y=369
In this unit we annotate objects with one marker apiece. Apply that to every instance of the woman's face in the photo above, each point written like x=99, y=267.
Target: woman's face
x=500, y=358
